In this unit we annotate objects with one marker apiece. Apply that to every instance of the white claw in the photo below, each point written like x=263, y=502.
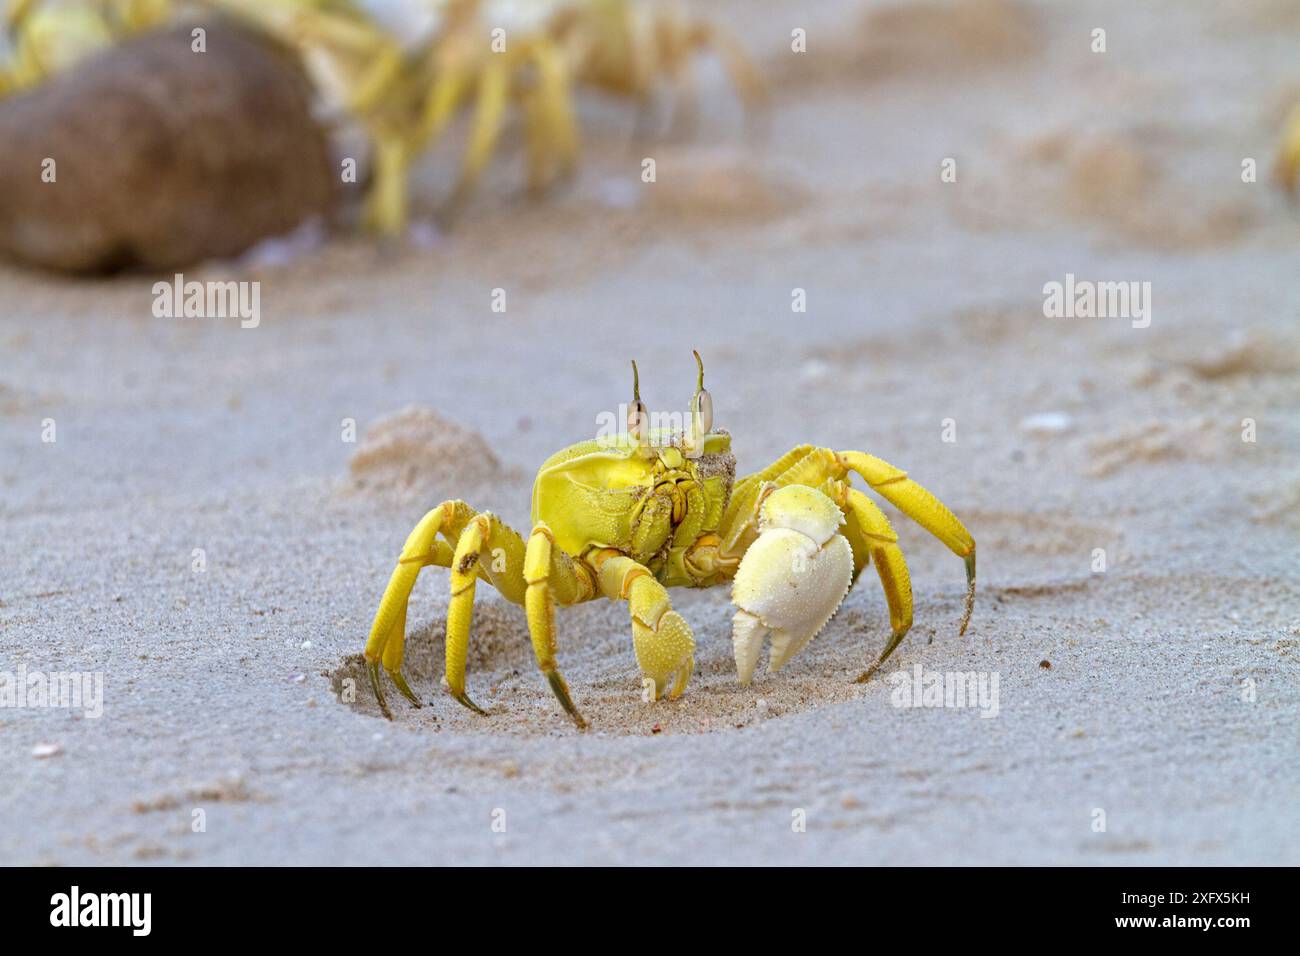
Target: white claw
x=791, y=580
x=747, y=633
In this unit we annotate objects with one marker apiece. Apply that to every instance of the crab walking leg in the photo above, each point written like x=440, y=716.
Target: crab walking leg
x=867, y=524
x=385, y=212
x=535, y=144
x=551, y=576
x=660, y=636
x=552, y=136
x=493, y=93
x=504, y=568
x=383, y=68
x=802, y=464
x=387, y=641
x=443, y=100
x=922, y=507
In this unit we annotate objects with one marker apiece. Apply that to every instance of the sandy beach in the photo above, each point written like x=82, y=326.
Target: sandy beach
x=203, y=532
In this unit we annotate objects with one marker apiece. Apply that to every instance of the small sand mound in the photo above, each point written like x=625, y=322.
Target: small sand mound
x=416, y=448
x=1121, y=183
x=932, y=41
x=1198, y=439
x=1116, y=181
x=1108, y=174
x=1279, y=504
x=717, y=186
x=1252, y=353
x=944, y=36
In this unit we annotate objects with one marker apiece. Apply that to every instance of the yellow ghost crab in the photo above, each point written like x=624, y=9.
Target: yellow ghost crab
x=630, y=515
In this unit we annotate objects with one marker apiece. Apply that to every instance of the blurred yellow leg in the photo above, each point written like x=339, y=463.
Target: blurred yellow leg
x=348, y=45
x=922, y=507
x=866, y=527
x=377, y=82
x=551, y=577
x=660, y=636
x=556, y=128
x=444, y=100
x=386, y=202
x=489, y=112
x=141, y=14
x=1288, y=160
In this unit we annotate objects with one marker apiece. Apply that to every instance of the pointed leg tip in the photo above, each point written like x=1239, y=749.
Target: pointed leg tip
x=400, y=681
x=372, y=667
x=683, y=679
x=895, y=639
x=561, y=691
x=969, y=610
x=463, y=699
x=970, y=592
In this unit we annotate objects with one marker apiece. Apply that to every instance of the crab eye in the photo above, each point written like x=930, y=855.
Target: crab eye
x=702, y=412
x=637, y=420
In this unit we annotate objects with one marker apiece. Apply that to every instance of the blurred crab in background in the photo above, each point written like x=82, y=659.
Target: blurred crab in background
x=403, y=70
x=628, y=516
x=630, y=49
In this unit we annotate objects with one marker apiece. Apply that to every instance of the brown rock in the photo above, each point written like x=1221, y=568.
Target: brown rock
x=163, y=156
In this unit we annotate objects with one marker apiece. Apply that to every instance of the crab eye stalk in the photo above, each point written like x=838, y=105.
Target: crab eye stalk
x=701, y=414
x=638, y=419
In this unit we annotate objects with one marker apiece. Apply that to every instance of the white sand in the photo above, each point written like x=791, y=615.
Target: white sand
x=925, y=304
